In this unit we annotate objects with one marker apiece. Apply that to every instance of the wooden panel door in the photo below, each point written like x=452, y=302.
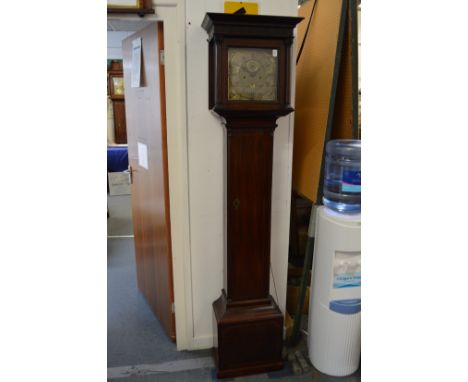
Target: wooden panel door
x=146, y=127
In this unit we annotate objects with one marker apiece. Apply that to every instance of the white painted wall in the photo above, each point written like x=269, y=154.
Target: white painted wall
x=114, y=44
x=206, y=172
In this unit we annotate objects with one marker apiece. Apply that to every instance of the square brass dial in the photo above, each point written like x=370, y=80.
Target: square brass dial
x=252, y=74
x=118, y=85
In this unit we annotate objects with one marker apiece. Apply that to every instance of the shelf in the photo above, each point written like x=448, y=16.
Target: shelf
x=140, y=12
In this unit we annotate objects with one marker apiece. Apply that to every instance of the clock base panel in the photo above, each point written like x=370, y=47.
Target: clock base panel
x=250, y=337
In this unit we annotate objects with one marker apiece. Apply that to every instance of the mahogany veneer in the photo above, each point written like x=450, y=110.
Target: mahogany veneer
x=249, y=322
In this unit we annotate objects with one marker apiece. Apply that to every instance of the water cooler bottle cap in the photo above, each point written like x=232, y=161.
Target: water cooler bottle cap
x=349, y=148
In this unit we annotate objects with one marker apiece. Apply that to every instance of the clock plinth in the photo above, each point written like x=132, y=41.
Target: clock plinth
x=249, y=65
x=250, y=337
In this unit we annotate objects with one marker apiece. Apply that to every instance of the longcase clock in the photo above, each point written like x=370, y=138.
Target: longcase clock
x=116, y=93
x=249, y=87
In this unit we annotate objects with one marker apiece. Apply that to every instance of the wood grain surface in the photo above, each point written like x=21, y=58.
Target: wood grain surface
x=146, y=124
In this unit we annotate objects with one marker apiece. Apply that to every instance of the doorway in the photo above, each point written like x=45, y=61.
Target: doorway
x=172, y=13
x=139, y=244
x=119, y=222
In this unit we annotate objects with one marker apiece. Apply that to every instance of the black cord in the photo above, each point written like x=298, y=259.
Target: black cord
x=306, y=32
x=274, y=284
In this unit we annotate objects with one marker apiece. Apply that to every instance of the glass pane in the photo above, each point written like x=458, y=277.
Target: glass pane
x=252, y=74
x=118, y=85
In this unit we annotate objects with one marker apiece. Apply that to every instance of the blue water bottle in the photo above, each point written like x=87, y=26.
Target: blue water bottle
x=342, y=184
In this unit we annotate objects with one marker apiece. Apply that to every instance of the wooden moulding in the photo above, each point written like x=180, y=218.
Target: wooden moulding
x=144, y=8
x=139, y=12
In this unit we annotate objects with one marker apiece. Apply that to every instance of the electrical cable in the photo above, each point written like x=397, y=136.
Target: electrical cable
x=306, y=32
x=274, y=284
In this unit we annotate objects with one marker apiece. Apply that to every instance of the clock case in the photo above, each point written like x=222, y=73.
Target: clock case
x=249, y=324
x=248, y=31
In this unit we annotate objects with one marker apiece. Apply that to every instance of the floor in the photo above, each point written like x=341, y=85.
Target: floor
x=138, y=350
x=119, y=222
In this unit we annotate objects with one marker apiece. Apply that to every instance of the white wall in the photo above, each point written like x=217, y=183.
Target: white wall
x=114, y=44
x=206, y=172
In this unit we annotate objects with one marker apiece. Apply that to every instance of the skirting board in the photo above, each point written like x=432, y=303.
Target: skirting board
x=202, y=342
x=207, y=342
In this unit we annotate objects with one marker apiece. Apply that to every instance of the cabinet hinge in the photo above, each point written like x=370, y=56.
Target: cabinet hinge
x=161, y=57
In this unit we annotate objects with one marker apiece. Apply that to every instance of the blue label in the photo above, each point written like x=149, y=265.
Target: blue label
x=349, y=280
x=351, y=181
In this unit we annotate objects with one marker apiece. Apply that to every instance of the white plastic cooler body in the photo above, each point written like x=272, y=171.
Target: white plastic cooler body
x=335, y=302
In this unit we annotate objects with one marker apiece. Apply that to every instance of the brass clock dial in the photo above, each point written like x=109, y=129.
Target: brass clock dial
x=118, y=84
x=252, y=74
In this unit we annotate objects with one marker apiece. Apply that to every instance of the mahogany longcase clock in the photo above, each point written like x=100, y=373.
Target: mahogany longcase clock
x=249, y=86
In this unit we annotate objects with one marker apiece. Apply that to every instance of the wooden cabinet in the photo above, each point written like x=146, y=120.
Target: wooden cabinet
x=116, y=94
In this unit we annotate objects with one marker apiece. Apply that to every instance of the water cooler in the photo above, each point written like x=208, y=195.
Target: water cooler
x=334, y=340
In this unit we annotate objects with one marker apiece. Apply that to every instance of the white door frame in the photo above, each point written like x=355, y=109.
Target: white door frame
x=172, y=13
